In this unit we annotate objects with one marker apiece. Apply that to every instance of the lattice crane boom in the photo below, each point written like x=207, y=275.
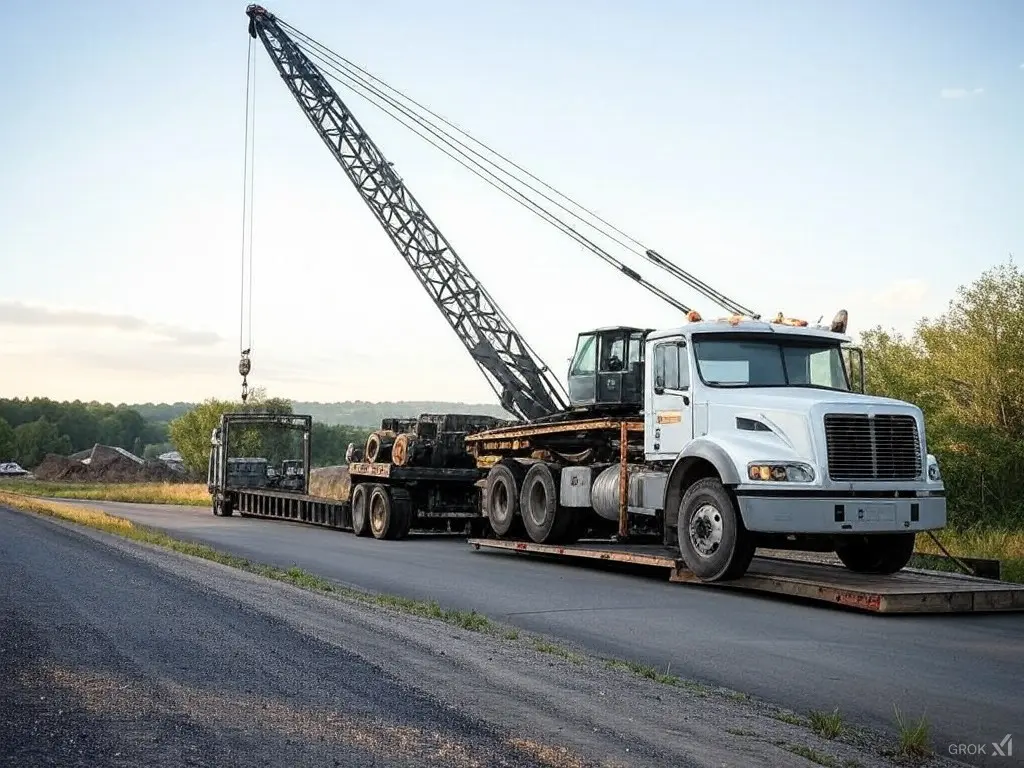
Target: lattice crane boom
x=524, y=384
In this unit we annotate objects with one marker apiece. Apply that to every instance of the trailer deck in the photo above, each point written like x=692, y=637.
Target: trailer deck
x=297, y=507
x=910, y=591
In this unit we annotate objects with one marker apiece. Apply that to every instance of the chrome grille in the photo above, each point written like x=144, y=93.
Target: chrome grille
x=879, y=447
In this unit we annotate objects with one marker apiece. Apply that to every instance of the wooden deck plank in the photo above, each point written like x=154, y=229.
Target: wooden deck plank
x=906, y=592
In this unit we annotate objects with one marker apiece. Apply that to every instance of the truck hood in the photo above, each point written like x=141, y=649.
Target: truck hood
x=794, y=417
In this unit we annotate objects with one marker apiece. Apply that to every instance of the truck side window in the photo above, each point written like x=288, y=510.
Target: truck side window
x=666, y=366
x=585, y=360
x=684, y=368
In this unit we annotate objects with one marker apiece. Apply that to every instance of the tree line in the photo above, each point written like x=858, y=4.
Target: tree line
x=31, y=428
x=963, y=369
x=350, y=413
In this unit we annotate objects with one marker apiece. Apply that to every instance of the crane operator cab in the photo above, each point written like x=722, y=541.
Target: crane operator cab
x=607, y=369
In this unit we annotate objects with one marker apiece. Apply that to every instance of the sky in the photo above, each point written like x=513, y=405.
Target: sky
x=797, y=156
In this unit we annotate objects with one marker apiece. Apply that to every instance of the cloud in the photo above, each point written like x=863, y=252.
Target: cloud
x=24, y=316
x=960, y=93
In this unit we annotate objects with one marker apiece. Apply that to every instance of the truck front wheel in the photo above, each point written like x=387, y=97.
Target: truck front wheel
x=712, y=540
x=880, y=553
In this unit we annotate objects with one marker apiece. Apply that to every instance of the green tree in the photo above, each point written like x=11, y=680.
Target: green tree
x=190, y=433
x=7, y=443
x=34, y=440
x=964, y=370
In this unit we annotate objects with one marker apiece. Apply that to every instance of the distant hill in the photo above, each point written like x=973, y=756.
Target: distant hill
x=355, y=413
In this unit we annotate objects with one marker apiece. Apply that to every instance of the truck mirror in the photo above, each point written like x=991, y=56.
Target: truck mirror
x=659, y=384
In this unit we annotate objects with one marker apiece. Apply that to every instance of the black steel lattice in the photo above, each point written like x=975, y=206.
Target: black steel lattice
x=521, y=380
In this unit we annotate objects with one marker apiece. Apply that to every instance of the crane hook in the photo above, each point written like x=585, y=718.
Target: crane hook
x=244, y=366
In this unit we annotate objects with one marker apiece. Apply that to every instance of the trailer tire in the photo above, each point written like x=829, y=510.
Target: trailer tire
x=546, y=521
x=504, y=481
x=384, y=522
x=361, y=510
x=401, y=508
x=880, y=553
x=713, y=542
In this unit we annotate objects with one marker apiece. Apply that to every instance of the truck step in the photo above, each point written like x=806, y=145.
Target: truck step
x=911, y=591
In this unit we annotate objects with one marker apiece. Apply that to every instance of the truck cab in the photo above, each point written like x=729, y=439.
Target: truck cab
x=766, y=443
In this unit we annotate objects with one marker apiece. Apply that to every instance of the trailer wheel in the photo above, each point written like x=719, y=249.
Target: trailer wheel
x=384, y=522
x=712, y=540
x=545, y=519
x=401, y=508
x=502, y=493
x=222, y=507
x=361, y=510
x=880, y=553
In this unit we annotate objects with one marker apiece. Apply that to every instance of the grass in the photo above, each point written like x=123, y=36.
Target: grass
x=1003, y=545
x=828, y=725
x=811, y=754
x=186, y=494
x=913, y=737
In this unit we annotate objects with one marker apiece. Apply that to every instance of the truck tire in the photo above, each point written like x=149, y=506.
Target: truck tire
x=546, y=521
x=361, y=510
x=504, y=481
x=712, y=540
x=401, y=508
x=384, y=522
x=879, y=553
x=222, y=508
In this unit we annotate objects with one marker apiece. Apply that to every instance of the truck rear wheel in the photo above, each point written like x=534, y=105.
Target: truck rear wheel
x=712, y=540
x=361, y=510
x=502, y=491
x=545, y=519
x=384, y=522
x=879, y=553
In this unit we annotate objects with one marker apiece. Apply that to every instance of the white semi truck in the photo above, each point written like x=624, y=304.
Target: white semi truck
x=751, y=435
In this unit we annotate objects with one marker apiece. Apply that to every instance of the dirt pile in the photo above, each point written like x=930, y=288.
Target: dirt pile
x=105, y=466
x=330, y=483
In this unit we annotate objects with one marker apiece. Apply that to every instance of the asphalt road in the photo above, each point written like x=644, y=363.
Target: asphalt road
x=963, y=672
x=118, y=654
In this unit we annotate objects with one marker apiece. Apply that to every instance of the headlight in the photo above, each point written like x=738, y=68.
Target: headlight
x=933, y=469
x=781, y=473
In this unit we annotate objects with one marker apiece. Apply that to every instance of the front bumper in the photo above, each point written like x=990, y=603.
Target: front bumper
x=838, y=515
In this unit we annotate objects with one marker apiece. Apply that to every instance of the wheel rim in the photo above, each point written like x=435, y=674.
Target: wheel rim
x=538, y=503
x=706, y=529
x=499, y=501
x=377, y=513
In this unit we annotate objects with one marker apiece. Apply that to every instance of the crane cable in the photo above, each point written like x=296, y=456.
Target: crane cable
x=245, y=298
x=498, y=183
x=367, y=80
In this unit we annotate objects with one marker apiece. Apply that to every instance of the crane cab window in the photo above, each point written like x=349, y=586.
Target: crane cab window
x=613, y=353
x=585, y=359
x=671, y=369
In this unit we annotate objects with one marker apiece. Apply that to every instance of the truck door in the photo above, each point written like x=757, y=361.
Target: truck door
x=669, y=416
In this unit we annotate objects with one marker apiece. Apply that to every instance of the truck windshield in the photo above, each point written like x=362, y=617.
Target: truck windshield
x=746, y=361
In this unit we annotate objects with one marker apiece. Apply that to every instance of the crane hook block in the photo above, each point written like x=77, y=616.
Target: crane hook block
x=244, y=366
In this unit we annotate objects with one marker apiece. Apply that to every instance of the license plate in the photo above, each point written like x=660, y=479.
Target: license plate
x=876, y=513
